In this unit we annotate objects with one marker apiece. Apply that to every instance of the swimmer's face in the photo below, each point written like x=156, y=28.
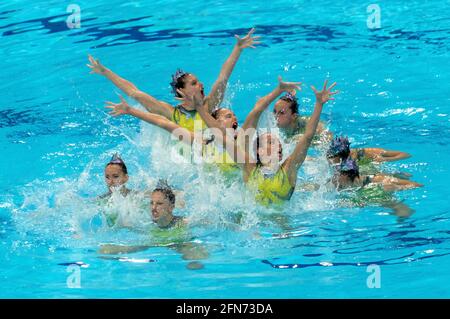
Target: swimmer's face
x=114, y=176
x=227, y=118
x=283, y=114
x=192, y=85
x=270, y=150
x=161, y=206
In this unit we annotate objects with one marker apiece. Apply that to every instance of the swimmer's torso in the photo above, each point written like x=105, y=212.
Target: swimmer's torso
x=186, y=119
x=269, y=190
x=176, y=233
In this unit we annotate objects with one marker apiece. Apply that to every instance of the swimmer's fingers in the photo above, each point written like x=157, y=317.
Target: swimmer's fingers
x=325, y=84
x=335, y=92
x=314, y=89
x=122, y=99
x=181, y=93
x=332, y=86
x=252, y=30
x=112, y=112
x=93, y=61
x=90, y=67
x=249, y=34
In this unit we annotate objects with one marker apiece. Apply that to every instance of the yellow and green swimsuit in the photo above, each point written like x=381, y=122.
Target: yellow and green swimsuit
x=186, y=119
x=220, y=159
x=177, y=233
x=271, y=190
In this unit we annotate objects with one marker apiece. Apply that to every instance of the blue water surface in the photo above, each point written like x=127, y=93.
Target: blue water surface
x=56, y=137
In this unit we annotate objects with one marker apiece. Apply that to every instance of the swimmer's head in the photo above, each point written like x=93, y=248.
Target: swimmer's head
x=269, y=150
x=186, y=82
x=339, y=149
x=226, y=118
x=162, y=202
x=116, y=172
x=286, y=110
x=348, y=172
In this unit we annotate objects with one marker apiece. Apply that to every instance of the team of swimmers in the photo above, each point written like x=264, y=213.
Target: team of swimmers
x=257, y=157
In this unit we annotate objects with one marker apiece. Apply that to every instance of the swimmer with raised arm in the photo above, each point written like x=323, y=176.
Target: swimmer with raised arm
x=291, y=123
x=272, y=181
x=183, y=114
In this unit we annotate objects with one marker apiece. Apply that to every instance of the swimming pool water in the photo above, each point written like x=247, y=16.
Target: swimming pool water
x=56, y=137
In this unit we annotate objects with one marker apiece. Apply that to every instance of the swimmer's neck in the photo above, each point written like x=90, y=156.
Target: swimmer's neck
x=188, y=106
x=271, y=166
x=123, y=191
x=293, y=126
x=164, y=222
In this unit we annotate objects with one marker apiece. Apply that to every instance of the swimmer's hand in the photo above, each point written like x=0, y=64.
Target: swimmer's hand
x=195, y=99
x=290, y=87
x=324, y=96
x=118, y=108
x=95, y=66
x=248, y=41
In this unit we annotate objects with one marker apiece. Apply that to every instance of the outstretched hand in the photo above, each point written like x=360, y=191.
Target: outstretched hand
x=325, y=95
x=248, y=41
x=95, y=66
x=290, y=87
x=195, y=99
x=118, y=108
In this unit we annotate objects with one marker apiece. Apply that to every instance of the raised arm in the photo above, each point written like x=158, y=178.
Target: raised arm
x=297, y=157
x=215, y=97
x=224, y=136
x=158, y=120
x=150, y=103
x=253, y=117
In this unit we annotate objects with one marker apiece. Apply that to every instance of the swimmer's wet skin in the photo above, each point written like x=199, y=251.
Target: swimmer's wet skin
x=170, y=231
x=372, y=189
x=274, y=182
x=289, y=121
x=183, y=115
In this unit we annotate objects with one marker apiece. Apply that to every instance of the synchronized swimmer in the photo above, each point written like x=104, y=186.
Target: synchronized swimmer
x=256, y=156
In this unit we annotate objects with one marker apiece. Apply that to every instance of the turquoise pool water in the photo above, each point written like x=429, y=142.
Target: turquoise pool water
x=56, y=138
